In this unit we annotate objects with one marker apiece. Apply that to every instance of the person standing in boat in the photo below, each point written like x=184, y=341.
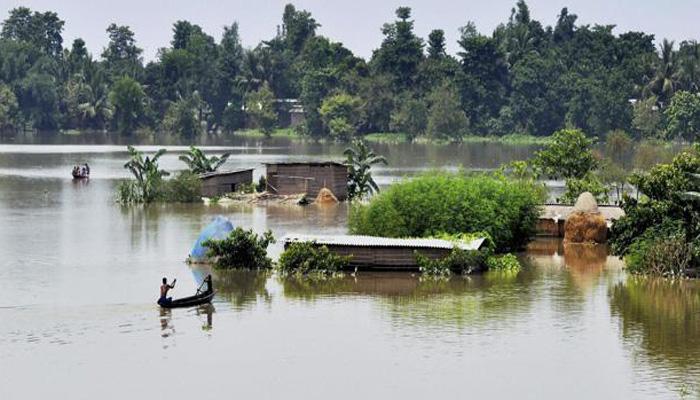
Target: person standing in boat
x=164, y=288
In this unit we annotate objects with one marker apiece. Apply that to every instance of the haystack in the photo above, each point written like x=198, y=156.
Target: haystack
x=585, y=224
x=325, y=196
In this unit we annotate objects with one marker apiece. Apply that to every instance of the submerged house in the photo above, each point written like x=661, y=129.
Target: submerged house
x=381, y=253
x=288, y=178
x=218, y=183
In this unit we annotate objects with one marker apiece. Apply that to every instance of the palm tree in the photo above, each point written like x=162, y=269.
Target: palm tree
x=198, y=163
x=361, y=158
x=689, y=66
x=665, y=80
x=147, y=173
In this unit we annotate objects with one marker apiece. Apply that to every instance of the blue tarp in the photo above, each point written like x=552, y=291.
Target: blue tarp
x=217, y=229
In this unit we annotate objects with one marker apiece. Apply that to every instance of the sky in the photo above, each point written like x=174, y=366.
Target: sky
x=355, y=23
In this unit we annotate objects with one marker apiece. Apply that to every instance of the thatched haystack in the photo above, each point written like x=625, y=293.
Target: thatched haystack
x=585, y=224
x=325, y=196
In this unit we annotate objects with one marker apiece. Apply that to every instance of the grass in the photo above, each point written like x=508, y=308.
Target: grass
x=277, y=133
x=515, y=139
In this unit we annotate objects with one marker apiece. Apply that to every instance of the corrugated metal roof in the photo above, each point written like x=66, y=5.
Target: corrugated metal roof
x=220, y=173
x=313, y=163
x=374, y=241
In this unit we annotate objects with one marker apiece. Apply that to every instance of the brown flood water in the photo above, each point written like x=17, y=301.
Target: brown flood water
x=79, y=276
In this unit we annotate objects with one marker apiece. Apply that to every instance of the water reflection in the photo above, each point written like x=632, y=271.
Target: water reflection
x=662, y=316
x=241, y=288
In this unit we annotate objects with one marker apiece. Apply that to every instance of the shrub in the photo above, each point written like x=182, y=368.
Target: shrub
x=262, y=184
x=667, y=256
x=307, y=257
x=453, y=203
x=241, y=249
x=505, y=262
x=458, y=261
x=186, y=187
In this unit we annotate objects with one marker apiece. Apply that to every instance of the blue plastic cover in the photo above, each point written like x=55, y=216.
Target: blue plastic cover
x=217, y=229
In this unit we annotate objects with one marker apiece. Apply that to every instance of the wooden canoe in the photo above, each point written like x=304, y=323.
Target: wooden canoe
x=191, y=301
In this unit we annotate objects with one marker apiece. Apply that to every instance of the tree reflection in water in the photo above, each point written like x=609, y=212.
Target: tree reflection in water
x=660, y=320
x=242, y=288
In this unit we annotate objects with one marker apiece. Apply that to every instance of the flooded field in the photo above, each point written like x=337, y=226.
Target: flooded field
x=79, y=278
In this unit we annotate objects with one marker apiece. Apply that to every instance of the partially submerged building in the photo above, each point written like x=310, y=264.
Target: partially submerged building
x=218, y=183
x=288, y=178
x=380, y=253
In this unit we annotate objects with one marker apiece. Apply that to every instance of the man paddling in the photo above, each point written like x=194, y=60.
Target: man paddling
x=164, y=288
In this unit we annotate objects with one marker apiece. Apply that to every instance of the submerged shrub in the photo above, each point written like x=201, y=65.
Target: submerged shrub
x=307, y=257
x=241, y=249
x=505, y=262
x=667, y=256
x=458, y=261
x=453, y=203
x=185, y=187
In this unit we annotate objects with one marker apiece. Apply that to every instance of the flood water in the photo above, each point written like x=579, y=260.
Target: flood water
x=79, y=277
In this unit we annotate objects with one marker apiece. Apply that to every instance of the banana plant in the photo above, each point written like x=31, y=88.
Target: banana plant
x=360, y=159
x=198, y=163
x=147, y=172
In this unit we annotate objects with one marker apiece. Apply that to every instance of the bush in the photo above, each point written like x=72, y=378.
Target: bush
x=307, y=257
x=241, y=249
x=458, y=261
x=453, y=203
x=668, y=256
x=505, y=262
x=186, y=187
x=262, y=184
x=569, y=155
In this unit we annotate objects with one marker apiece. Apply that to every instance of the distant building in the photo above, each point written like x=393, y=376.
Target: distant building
x=290, y=112
x=308, y=177
x=221, y=182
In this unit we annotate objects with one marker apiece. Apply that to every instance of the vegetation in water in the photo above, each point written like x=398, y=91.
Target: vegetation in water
x=458, y=261
x=507, y=82
x=660, y=231
x=199, y=163
x=148, y=178
x=503, y=262
x=507, y=209
x=241, y=249
x=305, y=258
x=360, y=159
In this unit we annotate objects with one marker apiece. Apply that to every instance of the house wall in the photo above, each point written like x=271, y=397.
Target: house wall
x=225, y=183
x=286, y=179
x=388, y=258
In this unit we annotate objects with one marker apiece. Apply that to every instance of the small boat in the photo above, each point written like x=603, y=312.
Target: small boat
x=201, y=297
x=197, y=299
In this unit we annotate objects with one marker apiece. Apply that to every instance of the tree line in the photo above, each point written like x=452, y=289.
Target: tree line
x=523, y=78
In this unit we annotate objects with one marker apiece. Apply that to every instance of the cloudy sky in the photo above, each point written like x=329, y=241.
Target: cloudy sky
x=356, y=23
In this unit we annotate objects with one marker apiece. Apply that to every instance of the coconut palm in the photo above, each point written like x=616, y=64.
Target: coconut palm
x=360, y=160
x=198, y=163
x=665, y=80
x=147, y=173
x=689, y=66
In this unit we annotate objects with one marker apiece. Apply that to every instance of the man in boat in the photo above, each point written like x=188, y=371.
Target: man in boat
x=164, y=288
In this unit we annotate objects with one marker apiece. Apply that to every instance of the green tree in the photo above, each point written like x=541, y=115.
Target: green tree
x=446, y=119
x=41, y=30
x=122, y=56
x=401, y=50
x=182, y=117
x=260, y=109
x=9, y=110
x=665, y=80
x=646, y=117
x=360, y=159
x=127, y=97
x=683, y=116
x=568, y=155
x=340, y=113
x=410, y=117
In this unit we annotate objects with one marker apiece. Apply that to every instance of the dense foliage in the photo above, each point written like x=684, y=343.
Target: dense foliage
x=242, y=249
x=199, y=163
x=522, y=78
x=458, y=261
x=305, y=257
x=665, y=219
x=506, y=209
